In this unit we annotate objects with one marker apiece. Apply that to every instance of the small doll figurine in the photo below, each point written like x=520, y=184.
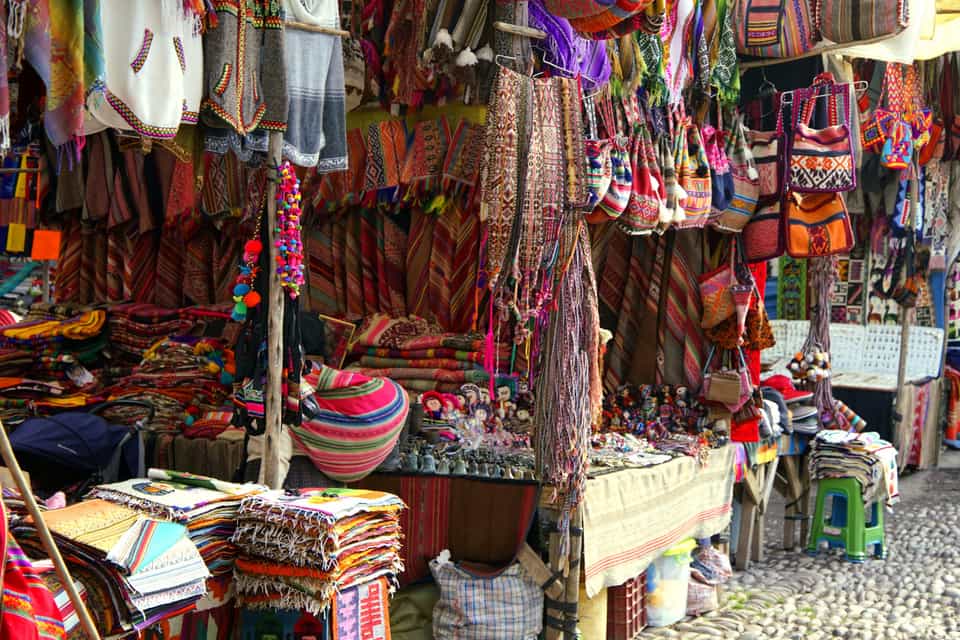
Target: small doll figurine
x=432, y=405
x=482, y=413
x=451, y=407
x=472, y=393
x=522, y=421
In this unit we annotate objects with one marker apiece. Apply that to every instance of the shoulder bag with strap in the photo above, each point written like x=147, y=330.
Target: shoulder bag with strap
x=821, y=160
x=774, y=28
x=817, y=225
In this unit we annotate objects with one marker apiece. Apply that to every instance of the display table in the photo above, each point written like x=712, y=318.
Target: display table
x=794, y=484
x=755, y=469
x=632, y=516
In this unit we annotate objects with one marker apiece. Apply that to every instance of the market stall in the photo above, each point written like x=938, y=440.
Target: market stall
x=500, y=269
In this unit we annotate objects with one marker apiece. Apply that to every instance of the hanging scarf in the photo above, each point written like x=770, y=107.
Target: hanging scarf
x=54, y=41
x=566, y=49
x=4, y=87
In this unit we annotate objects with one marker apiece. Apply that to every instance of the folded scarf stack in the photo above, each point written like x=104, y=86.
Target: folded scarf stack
x=864, y=456
x=298, y=551
x=205, y=506
x=420, y=357
x=98, y=538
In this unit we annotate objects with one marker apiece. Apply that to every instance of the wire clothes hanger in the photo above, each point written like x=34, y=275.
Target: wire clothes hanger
x=859, y=87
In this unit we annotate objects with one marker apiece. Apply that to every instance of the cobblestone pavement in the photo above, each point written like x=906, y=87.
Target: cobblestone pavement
x=912, y=595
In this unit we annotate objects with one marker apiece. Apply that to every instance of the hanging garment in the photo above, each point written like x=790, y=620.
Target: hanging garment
x=316, y=133
x=246, y=85
x=153, y=74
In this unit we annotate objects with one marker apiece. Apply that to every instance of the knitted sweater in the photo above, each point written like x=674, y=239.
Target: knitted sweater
x=244, y=67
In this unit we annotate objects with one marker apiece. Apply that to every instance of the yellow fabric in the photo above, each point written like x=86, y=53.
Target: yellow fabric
x=16, y=237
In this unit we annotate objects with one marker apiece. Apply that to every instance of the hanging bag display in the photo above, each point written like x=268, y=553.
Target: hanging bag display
x=774, y=28
x=746, y=183
x=843, y=21
x=821, y=160
x=693, y=175
x=716, y=293
x=729, y=386
x=643, y=211
x=765, y=147
x=817, y=225
x=763, y=237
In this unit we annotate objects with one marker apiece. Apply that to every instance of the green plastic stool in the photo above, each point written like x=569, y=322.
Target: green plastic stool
x=847, y=526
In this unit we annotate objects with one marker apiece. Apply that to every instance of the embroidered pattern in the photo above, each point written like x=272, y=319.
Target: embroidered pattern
x=224, y=80
x=141, y=58
x=181, y=57
x=135, y=123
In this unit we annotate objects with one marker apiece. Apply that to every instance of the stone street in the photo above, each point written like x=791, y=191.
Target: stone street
x=912, y=595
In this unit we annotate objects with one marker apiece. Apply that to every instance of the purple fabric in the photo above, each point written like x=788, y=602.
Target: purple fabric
x=564, y=48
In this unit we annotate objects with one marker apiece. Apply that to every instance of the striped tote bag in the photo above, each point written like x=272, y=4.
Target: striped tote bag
x=746, y=183
x=774, y=28
x=843, y=21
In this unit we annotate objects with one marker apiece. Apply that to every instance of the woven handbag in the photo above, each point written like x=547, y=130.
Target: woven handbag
x=817, y=225
x=716, y=293
x=643, y=211
x=774, y=28
x=693, y=176
x=763, y=236
x=746, y=183
x=821, y=160
x=843, y=21
x=765, y=147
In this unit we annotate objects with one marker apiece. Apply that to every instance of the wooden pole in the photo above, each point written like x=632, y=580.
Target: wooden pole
x=63, y=572
x=269, y=463
x=906, y=315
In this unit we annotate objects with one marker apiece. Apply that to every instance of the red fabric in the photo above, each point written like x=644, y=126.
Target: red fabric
x=28, y=611
x=753, y=357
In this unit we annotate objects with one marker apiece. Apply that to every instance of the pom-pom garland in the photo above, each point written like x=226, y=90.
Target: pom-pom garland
x=244, y=295
x=289, y=243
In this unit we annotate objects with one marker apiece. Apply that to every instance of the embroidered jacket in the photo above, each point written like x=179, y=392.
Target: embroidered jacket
x=244, y=67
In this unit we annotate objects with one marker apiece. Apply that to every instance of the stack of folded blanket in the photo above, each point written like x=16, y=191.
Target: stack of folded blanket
x=421, y=357
x=298, y=551
x=207, y=507
x=134, y=328
x=136, y=570
x=44, y=361
x=864, y=456
x=183, y=377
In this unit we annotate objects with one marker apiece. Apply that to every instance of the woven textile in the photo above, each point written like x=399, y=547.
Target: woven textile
x=423, y=164
x=386, y=150
x=463, y=279
x=419, y=249
x=351, y=422
x=620, y=542
x=441, y=267
x=499, y=190
x=299, y=549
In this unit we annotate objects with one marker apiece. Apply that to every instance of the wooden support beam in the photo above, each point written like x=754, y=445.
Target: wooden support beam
x=270, y=463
